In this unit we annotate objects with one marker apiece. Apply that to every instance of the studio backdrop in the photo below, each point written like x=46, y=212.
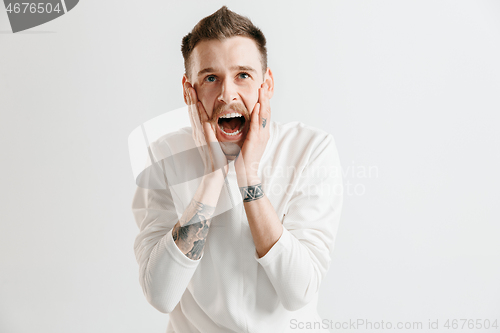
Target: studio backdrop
x=408, y=89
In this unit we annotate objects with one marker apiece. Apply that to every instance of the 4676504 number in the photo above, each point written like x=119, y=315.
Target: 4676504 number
x=470, y=324
x=27, y=7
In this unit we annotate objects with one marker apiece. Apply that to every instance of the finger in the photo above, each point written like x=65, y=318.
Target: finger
x=254, y=121
x=188, y=94
x=265, y=110
x=194, y=116
x=262, y=94
x=207, y=125
x=199, y=106
x=264, y=101
x=194, y=103
x=203, y=113
x=193, y=111
x=192, y=92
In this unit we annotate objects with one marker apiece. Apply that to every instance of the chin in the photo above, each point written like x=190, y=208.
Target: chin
x=230, y=148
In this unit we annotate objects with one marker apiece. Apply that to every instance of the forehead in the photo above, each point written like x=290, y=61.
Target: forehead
x=226, y=53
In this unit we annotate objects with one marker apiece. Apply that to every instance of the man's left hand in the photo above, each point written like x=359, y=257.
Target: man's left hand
x=247, y=162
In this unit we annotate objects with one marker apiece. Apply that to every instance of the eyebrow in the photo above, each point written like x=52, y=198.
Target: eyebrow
x=234, y=68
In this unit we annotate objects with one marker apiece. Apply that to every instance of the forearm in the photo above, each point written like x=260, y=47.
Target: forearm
x=167, y=266
x=165, y=275
x=265, y=226
x=191, y=231
x=295, y=269
x=164, y=271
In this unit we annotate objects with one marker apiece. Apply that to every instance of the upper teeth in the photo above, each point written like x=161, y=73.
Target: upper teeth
x=231, y=115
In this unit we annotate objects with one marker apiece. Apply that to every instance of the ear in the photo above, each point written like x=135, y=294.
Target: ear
x=268, y=78
x=184, y=92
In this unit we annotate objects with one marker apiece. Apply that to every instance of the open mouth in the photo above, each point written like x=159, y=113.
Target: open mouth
x=231, y=124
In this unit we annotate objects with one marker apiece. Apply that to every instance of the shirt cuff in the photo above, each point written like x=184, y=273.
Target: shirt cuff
x=284, y=242
x=177, y=254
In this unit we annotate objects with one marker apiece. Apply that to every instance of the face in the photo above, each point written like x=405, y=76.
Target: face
x=227, y=76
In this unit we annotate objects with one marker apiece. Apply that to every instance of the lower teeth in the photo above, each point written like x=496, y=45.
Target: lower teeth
x=234, y=133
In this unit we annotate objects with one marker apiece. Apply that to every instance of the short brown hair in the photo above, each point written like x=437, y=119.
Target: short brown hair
x=223, y=24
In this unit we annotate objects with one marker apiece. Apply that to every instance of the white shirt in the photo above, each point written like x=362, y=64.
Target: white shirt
x=230, y=289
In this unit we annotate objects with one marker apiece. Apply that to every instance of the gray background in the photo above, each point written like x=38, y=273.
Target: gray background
x=408, y=88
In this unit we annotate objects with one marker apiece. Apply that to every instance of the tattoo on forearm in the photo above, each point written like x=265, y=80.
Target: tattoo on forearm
x=192, y=230
x=250, y=193
x=264, y=121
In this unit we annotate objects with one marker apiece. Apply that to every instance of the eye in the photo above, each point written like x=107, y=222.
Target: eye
x=243, y=75
x=210, y=78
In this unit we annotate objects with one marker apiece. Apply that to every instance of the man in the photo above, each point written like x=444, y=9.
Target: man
x=257, y=264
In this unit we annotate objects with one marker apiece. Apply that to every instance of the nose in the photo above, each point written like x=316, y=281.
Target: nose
x=228, y=92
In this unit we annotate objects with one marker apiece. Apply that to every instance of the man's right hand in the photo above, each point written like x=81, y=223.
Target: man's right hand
x=204, y=133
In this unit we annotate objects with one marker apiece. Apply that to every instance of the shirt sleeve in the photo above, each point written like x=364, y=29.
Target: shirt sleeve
x=299, y=260
x=164, y=271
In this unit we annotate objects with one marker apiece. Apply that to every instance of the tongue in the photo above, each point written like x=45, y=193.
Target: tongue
x=232, y=125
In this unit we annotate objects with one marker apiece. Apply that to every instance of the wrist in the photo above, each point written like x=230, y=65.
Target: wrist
x=251, y=192
x=247, y=180
x=252, y=180
x=213, y=178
